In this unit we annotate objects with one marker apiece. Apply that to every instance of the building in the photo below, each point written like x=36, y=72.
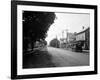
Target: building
x=84, y=38
x=62, y=42
x=70, y=37
x=73, y=39
x=66, y=42
x=87, y=38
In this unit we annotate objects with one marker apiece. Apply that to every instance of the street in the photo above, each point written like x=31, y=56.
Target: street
x=54, y=57
x=62, y=57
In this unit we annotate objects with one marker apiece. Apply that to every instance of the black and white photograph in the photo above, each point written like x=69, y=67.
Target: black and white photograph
x=53, y=39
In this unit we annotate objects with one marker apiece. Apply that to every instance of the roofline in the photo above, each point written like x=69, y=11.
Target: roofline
x=82, y=31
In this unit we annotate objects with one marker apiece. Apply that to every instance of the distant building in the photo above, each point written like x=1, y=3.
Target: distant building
x=65, y=42
x=70, y=37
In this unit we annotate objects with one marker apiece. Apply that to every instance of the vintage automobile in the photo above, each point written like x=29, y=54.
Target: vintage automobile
x=77, y=46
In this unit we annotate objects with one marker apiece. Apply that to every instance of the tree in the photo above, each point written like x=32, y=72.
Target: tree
x=55, y=43
x=35, y=26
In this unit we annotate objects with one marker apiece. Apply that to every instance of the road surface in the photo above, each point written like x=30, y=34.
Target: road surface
x=61, y=57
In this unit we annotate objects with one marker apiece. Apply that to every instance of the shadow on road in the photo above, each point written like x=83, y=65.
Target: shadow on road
x=37, y=59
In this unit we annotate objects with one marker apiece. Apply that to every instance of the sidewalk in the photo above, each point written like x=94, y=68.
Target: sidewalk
x=83, y=51
x=87, y=51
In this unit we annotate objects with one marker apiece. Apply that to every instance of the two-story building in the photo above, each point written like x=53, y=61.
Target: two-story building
x=84, y=38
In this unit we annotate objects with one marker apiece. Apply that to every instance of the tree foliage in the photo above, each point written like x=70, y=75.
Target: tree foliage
x=36, y=25
x=55, y=43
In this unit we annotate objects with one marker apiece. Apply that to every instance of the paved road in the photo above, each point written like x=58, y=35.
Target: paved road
x=62, y=57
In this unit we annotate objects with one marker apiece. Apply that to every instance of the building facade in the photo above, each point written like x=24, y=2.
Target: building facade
x=80, y=39
x=84, y=38
x=66, y=42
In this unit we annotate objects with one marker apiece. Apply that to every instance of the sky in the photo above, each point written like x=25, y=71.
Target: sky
x=72, y=22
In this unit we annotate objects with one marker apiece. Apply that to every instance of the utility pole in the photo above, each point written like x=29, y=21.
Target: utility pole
x=66, y=35
x=62, y=34
x=56, y=41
